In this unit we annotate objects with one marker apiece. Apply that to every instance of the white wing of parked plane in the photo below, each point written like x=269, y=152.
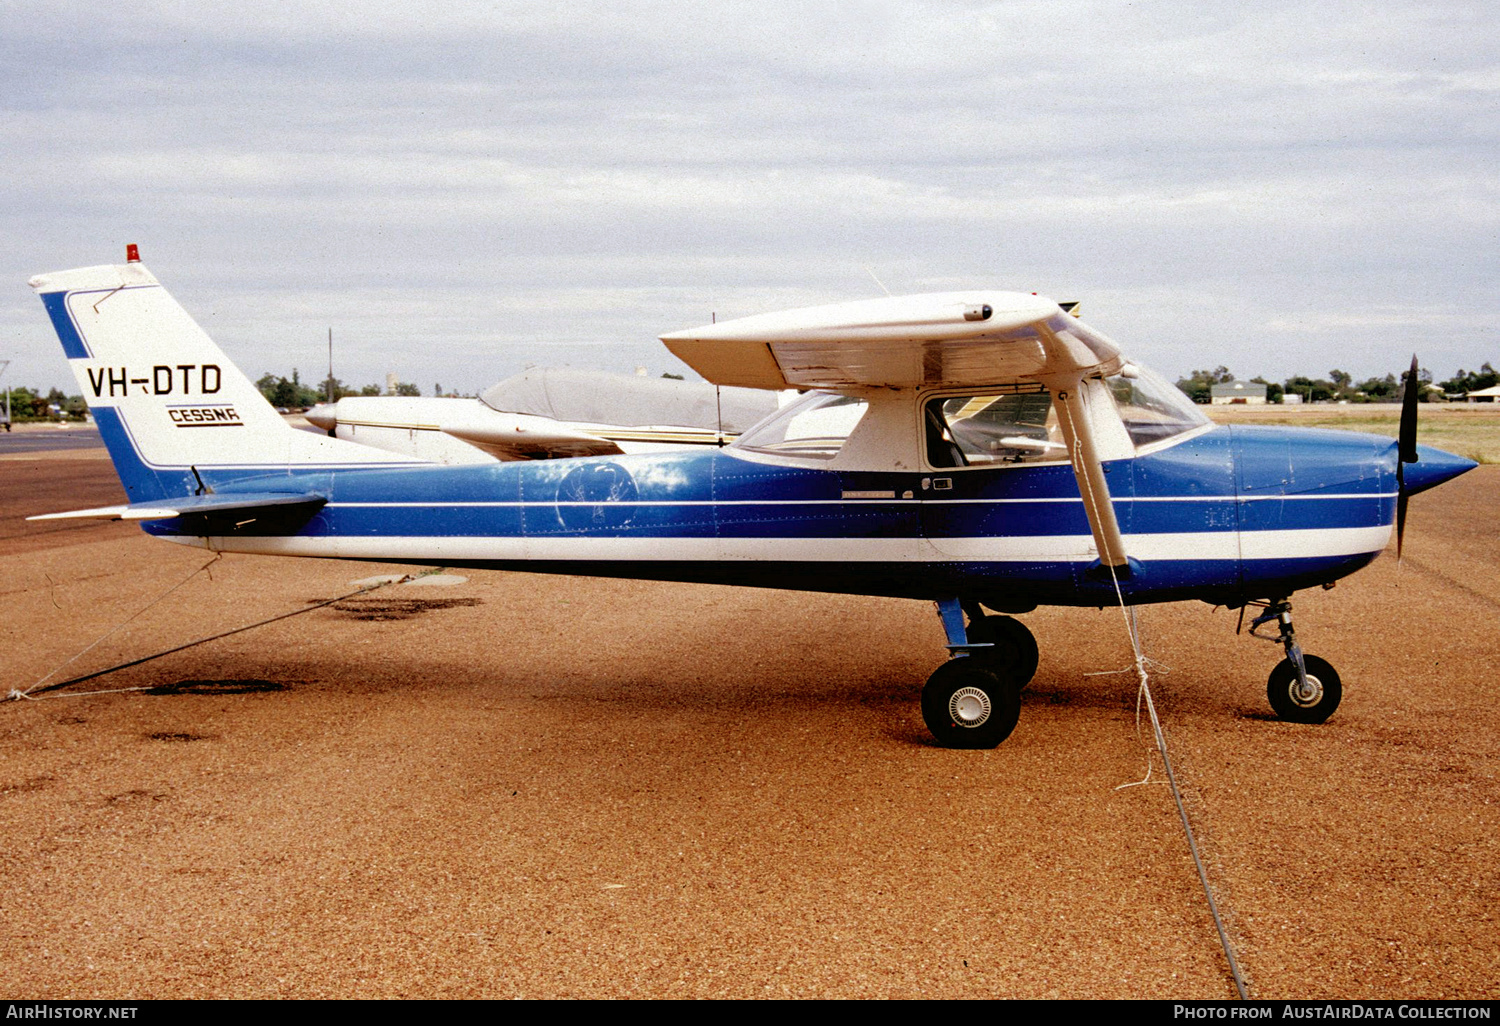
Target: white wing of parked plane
x=454, y=430
x=549, y=413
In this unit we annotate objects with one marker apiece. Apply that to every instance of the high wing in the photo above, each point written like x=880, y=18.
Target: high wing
x=963, y=339
x=960, y=339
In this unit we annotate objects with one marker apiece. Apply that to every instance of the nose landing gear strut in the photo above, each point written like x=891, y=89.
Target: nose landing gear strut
x=1302, y=688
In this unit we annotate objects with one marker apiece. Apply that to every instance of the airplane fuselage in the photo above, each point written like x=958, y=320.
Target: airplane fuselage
x=1230, y=513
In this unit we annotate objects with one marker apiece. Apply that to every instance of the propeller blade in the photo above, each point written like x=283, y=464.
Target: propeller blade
x=1406, y=445
x=1408, y=435
x=1400, y=522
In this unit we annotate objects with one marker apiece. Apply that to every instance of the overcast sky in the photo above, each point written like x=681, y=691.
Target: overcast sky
x=460, y=190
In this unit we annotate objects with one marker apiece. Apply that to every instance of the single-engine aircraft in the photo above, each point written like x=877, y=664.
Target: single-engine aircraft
x=983, y=450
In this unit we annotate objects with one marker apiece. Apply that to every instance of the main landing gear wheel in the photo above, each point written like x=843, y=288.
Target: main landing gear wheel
x=967, y=705
x=1312, y=704
x=1014, y=655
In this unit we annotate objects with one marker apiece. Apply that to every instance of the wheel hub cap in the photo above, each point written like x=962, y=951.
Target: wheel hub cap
x=969, y=707
x=1307, y=694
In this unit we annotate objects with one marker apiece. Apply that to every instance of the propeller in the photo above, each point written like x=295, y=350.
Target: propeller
x=1406, y=445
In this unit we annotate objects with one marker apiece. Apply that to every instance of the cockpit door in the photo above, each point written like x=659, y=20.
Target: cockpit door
x=999, y=486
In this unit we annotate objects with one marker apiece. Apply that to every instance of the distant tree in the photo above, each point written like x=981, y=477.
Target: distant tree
x=267, y=385
x=1313, y=391
x=338, y=391
x=402, y=388
x=1472, y=381
x=23, y=404
x=1199, y=385
x=671, y=376
x=370, y=390
x=1424, y=386
x=285, y=394
x=1379, y=389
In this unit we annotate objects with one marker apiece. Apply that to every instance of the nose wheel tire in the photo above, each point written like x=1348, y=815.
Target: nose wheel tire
x=1312, y=704
x=1015, y=654
x=967, y=705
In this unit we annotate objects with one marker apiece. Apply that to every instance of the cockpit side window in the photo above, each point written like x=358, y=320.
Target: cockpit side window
x=981, y=430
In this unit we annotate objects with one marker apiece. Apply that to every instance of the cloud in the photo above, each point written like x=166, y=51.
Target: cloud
x=473, y=184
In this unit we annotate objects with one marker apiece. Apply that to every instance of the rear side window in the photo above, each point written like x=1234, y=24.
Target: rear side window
x=814, y=427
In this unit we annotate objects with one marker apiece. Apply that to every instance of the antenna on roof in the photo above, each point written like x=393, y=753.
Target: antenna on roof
x=871, y=271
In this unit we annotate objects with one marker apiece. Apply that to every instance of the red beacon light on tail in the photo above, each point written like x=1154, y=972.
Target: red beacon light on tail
x=132, y=253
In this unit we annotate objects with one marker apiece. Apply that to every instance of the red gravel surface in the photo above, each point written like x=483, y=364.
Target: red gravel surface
x=547, y=786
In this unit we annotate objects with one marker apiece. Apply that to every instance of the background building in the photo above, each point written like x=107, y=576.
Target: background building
x=1238, y=392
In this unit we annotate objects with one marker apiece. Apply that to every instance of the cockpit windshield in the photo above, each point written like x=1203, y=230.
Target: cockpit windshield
x=1151, y=407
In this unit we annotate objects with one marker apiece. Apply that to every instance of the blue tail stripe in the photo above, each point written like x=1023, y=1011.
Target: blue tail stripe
x=62, y=322
x=141, y=483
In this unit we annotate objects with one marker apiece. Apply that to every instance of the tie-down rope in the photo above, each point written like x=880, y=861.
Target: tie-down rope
x=1127, y=614
x=36, y=689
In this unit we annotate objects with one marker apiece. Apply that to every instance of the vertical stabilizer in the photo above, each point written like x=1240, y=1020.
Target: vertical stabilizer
x=167, y=400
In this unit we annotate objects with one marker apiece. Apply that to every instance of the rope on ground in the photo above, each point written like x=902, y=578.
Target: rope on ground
x=107, y=634
x=1144, y=694
x=31, y=692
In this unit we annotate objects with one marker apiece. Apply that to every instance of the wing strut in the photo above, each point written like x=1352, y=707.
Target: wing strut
x=1078, y=432
x=1074, y=364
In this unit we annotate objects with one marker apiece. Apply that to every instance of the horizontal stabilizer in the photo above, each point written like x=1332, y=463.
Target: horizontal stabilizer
x=194, y=505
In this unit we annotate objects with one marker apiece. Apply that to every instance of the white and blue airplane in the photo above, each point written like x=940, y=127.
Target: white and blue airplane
x=982, y=450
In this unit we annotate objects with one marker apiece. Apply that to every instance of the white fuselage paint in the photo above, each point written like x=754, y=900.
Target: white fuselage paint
x=1070, y=548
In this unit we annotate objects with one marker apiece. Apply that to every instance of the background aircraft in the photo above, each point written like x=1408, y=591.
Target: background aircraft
x=983, y=450
x=549, y=412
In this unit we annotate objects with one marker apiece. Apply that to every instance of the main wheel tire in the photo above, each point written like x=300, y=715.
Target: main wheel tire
x=966, y=705
x=1288, y=699
x=1015, y=654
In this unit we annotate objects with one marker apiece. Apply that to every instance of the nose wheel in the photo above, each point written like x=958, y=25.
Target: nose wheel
x=1310, y=699
x=1302, y=688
